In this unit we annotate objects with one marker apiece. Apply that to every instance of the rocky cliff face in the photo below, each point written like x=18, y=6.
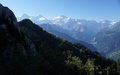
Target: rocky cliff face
x=8, y=18
x=12, y=40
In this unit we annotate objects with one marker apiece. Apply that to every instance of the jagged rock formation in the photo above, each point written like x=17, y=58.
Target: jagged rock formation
x=12, y=40
x=8, y=18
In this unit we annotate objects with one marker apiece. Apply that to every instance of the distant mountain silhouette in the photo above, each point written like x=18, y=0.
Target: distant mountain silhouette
x=79, y=29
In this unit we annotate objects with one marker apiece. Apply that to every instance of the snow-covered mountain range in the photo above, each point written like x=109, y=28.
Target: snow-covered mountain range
x=80, y=29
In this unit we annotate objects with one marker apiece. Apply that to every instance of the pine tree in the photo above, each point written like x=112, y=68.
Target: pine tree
x=89, y=67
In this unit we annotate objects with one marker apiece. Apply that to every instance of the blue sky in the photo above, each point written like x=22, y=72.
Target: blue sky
x=79, y=9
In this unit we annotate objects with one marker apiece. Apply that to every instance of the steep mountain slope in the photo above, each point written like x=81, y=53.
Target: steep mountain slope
x=26, y=49
x=64, y=36
x=41, y=37
x=11, y=34
x=108, y=42
x=14, y=45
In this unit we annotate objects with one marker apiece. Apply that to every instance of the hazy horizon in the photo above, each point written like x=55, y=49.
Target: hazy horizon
x=97, y=10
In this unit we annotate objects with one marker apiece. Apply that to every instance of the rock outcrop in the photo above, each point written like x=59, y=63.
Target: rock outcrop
x=8, y=18
x=12, y=40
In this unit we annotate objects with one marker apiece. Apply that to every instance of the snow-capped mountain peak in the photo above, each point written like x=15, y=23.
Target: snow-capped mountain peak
x=80, y=29
x=24, y=16
x=36, y=19
x=69, y=23
x=60, y=17
x=42, y=18
x=60, y=20
x=105, y=22
x=112, y=23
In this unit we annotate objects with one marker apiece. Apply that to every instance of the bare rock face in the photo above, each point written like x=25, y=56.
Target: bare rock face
x=12, y=41
x=8, y=18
